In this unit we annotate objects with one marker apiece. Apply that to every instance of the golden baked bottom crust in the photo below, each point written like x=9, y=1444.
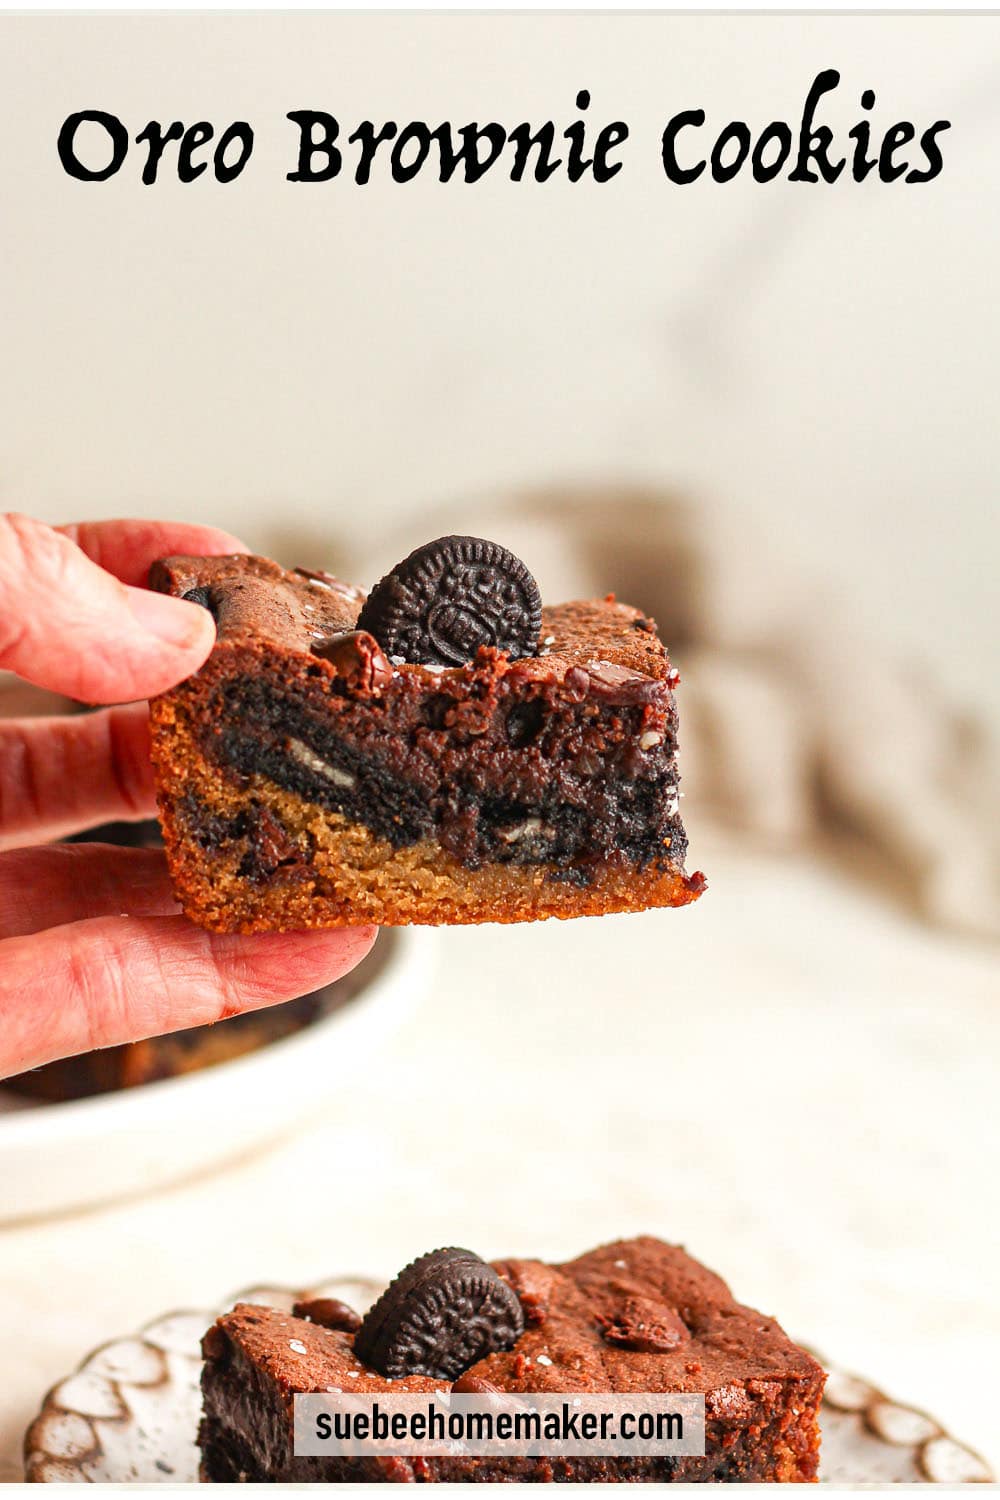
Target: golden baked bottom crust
x=354, y=878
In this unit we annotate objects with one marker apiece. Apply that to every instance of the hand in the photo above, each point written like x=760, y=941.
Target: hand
x=92, y=950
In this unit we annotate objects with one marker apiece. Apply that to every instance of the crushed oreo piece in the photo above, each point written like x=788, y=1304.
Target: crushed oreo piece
x=451, y=596
x=441, y=1315
x=201, y=596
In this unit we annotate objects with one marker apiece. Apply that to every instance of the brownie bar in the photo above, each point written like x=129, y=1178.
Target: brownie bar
x=635, y=1316
x=307, y=780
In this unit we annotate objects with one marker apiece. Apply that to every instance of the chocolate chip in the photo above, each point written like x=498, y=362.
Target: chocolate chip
x=646, y=1326
x=452, y=596
x=357, y=657
x=328, y=1312
x=617, y=684
x=269, y=845
x=441, y=1315
x=474, y=1385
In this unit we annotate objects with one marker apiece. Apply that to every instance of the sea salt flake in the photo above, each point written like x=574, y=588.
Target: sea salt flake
x=543, y=1359
x=297, y=1346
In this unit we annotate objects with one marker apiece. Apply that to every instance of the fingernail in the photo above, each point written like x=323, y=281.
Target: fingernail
x=171, y=620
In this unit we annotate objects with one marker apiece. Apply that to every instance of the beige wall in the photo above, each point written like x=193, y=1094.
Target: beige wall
x=301, y=363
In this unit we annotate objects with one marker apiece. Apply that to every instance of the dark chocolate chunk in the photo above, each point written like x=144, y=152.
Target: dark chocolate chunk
x=269, y=845
x=441, y=1315
x=328, y=1312
x=646, y=1326
x=474, y=1385
x=612, y=683
x=357, y=657
x=452, y=596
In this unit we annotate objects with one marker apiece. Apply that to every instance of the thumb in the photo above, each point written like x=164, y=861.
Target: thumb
x=67, y=625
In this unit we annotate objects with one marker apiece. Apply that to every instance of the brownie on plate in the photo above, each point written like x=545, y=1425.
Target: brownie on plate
x=443, y=751
x=636, y=1316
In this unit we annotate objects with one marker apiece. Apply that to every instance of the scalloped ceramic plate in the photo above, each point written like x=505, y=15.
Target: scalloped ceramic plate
x=55, y=1157
x=130, y=1413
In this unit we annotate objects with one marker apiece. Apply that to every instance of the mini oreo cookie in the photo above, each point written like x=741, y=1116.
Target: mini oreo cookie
x=441, y=1315
x=451, y=596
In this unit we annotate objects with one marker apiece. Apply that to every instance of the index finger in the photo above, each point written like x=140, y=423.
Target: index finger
x=126, y=548
x=72, y=626
x=108, y=980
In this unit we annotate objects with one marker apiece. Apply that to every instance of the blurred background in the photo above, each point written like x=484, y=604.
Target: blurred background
x=767, y=414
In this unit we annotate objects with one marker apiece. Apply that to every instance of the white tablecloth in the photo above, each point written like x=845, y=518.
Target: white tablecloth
x=793, y=1078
